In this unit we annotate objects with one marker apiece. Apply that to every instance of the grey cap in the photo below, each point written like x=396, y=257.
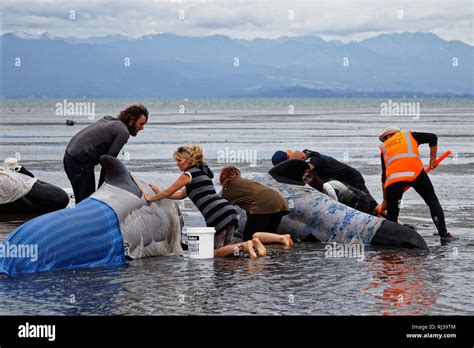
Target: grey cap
x=389, y=130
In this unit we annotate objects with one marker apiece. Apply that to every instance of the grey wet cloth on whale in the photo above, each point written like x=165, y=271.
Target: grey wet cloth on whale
x=344, y=194
x=314, y=213
x=148, y=229
x=14, y=185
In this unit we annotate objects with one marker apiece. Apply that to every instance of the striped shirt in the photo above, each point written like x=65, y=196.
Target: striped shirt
x=217, y=211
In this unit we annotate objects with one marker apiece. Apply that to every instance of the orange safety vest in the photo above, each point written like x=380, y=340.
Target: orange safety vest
x=402, y=158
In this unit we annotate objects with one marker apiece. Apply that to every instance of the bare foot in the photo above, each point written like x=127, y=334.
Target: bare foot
x=248, y=246
x=259, y=246
x=286, y=240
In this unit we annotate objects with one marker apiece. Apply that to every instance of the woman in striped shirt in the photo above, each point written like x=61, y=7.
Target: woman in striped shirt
x=196, y=183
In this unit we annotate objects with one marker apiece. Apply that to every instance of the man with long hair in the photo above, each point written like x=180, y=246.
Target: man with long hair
x=106, y=136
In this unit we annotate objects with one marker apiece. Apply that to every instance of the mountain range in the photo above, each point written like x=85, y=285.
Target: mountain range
x=171, y=66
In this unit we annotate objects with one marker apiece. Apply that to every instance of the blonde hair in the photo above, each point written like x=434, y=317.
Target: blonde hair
x=191, y=152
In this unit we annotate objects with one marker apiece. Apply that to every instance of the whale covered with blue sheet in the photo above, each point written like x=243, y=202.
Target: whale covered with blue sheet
x=314, y=214
x=113, y=225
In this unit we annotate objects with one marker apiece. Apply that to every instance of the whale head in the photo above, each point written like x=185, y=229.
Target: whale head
x=148, y=229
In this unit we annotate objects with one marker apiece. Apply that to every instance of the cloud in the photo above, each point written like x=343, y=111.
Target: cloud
x=330, y=19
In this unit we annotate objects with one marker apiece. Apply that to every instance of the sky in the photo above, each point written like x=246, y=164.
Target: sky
x=344, y=20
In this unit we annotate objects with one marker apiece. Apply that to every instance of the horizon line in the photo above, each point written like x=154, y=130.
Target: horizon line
x=45, y=34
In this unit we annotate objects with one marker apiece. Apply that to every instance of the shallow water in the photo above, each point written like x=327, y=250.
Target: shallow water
x=300, y=280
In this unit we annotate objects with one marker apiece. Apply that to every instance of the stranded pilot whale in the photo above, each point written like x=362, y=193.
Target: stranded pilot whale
x=315, y=215
x=112, y=225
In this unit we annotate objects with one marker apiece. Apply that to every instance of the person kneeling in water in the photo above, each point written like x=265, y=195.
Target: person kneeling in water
x=196, y=183
x=264, y=206
x=326, y=167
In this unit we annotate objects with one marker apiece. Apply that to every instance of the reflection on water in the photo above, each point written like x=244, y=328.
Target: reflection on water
x=300, y=281
x=400, y=281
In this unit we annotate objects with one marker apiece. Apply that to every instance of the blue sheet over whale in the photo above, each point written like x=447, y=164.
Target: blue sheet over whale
x=85, y=236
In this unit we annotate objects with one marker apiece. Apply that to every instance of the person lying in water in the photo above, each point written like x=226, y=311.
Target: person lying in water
x=196, y=183
x=298, y=172
x=326, y=167
x=264, y=206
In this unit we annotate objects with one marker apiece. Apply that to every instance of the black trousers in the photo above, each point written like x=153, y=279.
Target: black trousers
x=261, y=223
x=362, y=201
x=361, y=186
x=81, y=177
x=423, y=186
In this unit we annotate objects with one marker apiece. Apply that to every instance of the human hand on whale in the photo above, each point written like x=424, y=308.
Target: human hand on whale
x=154, y=188
x=146, y=195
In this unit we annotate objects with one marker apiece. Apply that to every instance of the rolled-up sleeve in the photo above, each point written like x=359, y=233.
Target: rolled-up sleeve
x=425, y=138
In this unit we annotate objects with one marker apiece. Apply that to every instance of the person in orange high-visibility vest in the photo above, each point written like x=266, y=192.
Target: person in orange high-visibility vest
x=402, y=167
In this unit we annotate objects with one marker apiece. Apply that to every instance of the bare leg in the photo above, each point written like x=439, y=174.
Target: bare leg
x=231, y=249
x=259, y=246
x=269, y=238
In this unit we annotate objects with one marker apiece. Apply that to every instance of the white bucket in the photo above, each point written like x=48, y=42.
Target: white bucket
x=200, y=242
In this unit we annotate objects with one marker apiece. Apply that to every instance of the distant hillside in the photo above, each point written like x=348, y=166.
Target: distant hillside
x=170, y=66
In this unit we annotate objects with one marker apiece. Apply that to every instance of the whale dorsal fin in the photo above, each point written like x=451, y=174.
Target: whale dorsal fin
x=117, y=174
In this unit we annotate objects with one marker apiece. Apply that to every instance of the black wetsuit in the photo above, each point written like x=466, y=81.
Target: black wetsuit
x=328, y=168
x=422, y=185
x=290, y=172
x=106, y=136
